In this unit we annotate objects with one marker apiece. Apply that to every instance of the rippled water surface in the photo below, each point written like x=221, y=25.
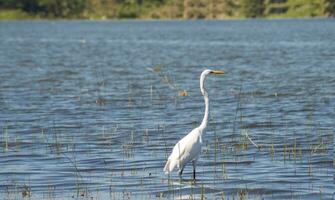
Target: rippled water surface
x=93, y=109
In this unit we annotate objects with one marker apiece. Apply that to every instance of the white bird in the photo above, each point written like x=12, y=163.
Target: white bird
x=189, y=147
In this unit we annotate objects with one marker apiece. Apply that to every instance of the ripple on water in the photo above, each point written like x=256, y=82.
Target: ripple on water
x=82, y=116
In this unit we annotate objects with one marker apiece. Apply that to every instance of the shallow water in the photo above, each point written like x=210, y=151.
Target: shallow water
x=92, y=109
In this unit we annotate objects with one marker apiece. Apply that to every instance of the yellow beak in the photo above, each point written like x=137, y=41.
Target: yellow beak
x=217, y=72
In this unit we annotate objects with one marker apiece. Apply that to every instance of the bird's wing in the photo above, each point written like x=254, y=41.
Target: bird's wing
x=174, y=158
x=185, y=150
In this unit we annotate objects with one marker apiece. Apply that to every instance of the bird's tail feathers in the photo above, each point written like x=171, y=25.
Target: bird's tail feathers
x=169, y=166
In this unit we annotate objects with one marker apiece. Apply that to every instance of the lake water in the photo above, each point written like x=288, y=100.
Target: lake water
x=91, y=110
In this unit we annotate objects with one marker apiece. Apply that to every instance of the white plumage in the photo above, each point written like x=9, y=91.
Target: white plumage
x=186, y=150
x=189, y=147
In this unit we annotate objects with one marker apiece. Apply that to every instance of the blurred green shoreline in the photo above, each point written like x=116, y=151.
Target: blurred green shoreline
x=164, y=9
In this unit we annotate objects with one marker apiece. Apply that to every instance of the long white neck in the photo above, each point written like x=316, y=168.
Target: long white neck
x=204, y=122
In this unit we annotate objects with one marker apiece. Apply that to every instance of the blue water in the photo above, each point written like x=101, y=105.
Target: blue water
x=92, y=109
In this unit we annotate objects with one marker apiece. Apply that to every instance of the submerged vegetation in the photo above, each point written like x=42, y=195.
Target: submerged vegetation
x=164, y=9
x=92, y=112
x=226, y=154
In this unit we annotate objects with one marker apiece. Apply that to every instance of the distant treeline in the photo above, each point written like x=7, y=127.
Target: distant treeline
x=169, y=9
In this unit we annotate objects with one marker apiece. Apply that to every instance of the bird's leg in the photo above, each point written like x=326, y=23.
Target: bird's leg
x=194, y=170
x=181, y=173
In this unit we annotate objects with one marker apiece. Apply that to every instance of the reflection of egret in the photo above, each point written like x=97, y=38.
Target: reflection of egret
x=189, y=147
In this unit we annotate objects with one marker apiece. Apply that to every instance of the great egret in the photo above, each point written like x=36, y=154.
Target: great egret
x=189, y=147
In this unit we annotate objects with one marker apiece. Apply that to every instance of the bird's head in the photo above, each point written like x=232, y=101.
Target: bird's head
x=203, y=76
x=209, y=71
x=217, y=72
